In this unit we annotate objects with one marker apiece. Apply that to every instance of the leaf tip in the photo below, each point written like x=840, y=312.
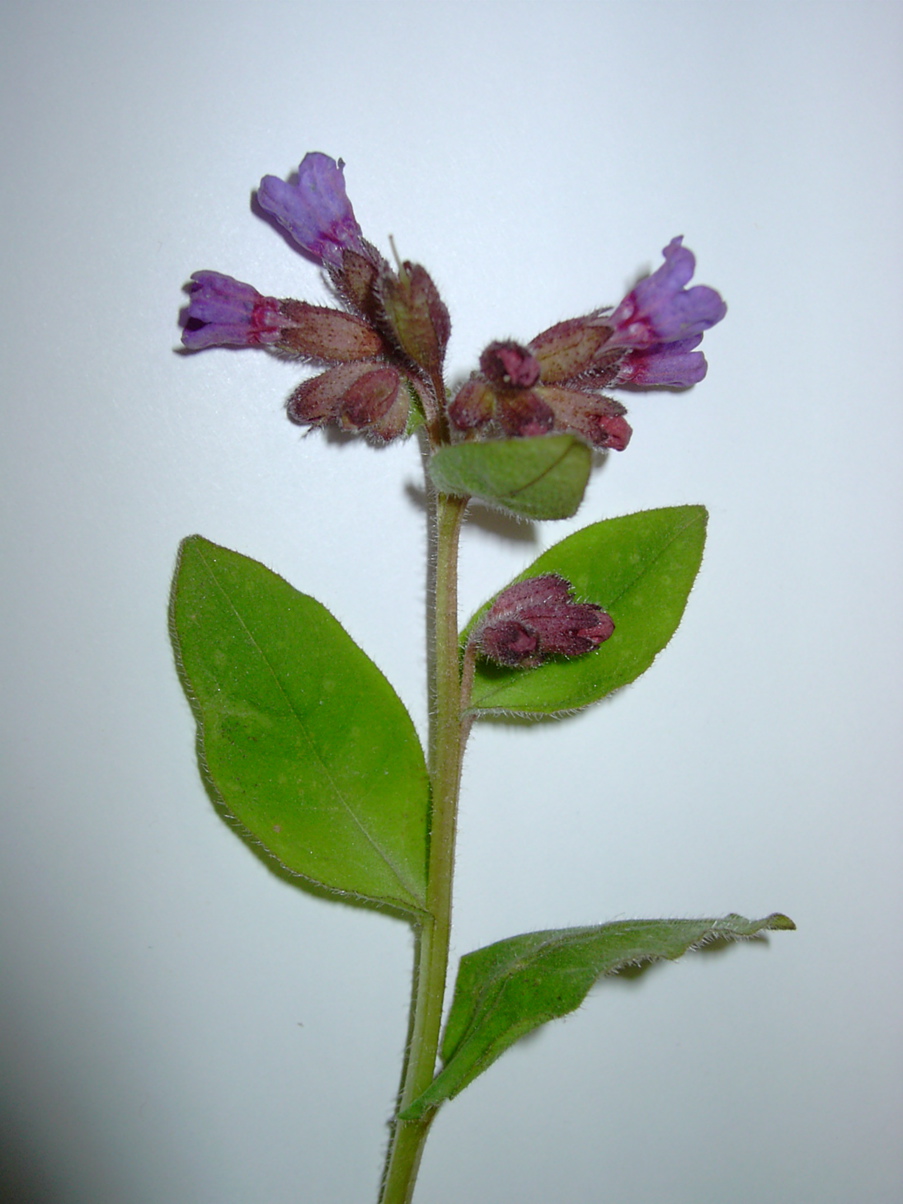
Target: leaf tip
x=777, y=922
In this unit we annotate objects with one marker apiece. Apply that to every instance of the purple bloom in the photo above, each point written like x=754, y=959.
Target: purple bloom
x=660, y=310
x=224, y=312
x=315, y=211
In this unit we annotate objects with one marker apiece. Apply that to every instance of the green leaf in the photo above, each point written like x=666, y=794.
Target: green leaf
x=506, y=990
x=540, y=477
x=640, y=568
x=301, y=736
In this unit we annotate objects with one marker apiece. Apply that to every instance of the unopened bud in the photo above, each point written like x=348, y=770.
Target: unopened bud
x=599, y=420
x=509, y=365
x=417, y=314
x=538, y=618
x=473, y=405
x=365, y=396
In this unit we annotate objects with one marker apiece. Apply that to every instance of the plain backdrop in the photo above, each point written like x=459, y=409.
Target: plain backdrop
x=180, y=1025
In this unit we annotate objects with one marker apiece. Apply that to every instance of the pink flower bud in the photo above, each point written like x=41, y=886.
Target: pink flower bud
x=509, y=365
x=598, y=419
x=538, y=618
x=473, y=405
x=366, y=396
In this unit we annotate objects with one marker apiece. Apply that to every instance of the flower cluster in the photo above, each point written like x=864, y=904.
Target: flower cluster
x=555, y=382
x=538, y=618
x=384, y=350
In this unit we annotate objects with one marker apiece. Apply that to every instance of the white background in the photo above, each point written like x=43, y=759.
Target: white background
x=180, y=1025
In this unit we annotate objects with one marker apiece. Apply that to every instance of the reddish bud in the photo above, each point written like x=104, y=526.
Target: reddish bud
x=416, y=313
x=315, y=332
x=473, y=406
x=362, y=396
x=599, y=420
x=538, y=618
x=509, y=365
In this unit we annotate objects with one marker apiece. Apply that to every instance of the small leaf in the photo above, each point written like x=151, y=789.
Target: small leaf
x=639, y=568
x=303, y=739
x=506, y=990
x=540, y=477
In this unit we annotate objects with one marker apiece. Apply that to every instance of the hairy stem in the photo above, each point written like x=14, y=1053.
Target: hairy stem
x=446, y=751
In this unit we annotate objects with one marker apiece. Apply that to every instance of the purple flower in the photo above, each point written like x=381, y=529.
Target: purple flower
x=224, y=312
x=660, y=310
x=315, y=211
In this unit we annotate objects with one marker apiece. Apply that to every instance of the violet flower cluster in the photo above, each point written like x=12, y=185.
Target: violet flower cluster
x=382, y=352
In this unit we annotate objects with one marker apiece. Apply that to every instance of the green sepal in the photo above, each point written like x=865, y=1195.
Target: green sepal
x=299, y=734
x=416, y=416
x=506, y=990
x=640, y=568
x=541, y=477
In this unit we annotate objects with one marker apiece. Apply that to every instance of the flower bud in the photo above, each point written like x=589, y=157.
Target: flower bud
x=366, y=396
x=666, y=365
x=538, y=618
x=599, y=420
x=315, y=332
x=509, y=365
x=416, y=313
x=473, y=406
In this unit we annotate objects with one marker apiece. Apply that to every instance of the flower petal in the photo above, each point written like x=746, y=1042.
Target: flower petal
x=660, y=310
x=667, y=365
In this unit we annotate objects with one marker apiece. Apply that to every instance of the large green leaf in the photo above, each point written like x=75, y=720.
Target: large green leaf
x=303, y=739
x=540, y=477
x=506, y=990
x=640, y=568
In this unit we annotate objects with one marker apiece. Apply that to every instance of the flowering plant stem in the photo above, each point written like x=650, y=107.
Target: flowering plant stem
x=302, y=738
x=448, y=733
